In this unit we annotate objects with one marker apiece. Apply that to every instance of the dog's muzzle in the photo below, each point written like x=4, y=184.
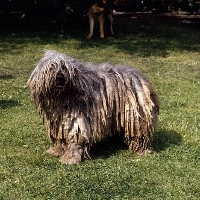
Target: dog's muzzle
x=60, y=80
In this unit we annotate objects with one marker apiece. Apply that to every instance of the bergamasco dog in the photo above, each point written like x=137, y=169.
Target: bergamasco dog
x=82, y=103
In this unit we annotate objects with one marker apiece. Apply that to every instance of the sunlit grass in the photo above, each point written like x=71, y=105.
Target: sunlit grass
x=168, y=54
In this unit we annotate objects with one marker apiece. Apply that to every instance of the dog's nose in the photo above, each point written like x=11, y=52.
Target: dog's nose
x=60, y=80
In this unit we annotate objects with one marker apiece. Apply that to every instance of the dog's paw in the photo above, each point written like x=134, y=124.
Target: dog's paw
x=73, y=155
x=89, y=36
x=56, y=151
x=145, y=152
x=70, y=161
x=51, y=151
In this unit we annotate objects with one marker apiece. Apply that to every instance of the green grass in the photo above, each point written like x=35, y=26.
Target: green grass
x=166, y=51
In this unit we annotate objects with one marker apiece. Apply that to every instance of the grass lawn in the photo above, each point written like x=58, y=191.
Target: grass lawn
x=166, y=50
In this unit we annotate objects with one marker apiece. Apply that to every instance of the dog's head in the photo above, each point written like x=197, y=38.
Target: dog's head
x=55, y=74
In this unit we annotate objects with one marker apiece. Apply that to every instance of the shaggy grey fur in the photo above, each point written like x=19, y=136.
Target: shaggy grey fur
x=91, y=103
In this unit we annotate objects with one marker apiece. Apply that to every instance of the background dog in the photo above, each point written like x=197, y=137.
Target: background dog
x=100, y=9
x=82, y=103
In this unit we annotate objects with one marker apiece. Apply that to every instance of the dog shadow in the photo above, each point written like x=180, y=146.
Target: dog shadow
x=107, y=147
x=162, y=140
x=8, y=103
x=6, y=77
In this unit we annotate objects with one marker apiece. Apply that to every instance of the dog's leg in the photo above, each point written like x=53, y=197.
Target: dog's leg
x=110, y=17
x=142, y=146
x=101, y=21
x=91, y=23
x=77, y=142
